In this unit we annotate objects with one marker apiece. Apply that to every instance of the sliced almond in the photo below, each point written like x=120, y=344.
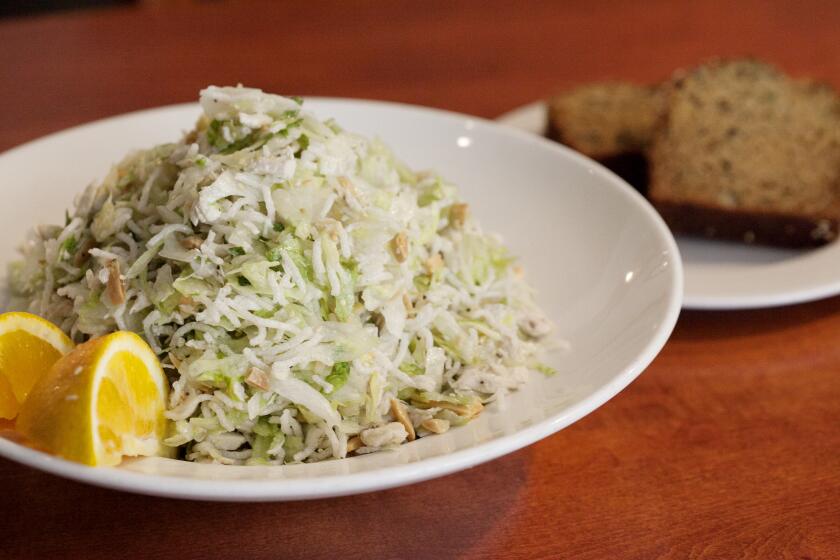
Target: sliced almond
x=401, y=416
x=191, y=242
x=353, y=444
x=257, y=378
x=458, y=214
x=435, y=425
x=175, y=361
x=399, y=246
x=466, y=410
x=409, y=307
x=433, y=263
x=115, y=289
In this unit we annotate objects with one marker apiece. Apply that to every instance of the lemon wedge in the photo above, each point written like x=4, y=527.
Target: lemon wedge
x=29, y=346
x=102, y=401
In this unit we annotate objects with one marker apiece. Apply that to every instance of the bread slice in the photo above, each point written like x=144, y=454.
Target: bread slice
x=606, y=119
x=744, y=152
x=612, y=122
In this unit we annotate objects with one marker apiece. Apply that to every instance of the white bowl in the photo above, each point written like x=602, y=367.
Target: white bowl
x=606, y=269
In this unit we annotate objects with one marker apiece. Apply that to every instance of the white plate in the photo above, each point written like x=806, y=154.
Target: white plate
x=721, y=275
x=604, y=264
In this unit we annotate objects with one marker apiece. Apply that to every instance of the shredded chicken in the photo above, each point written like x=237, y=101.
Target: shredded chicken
x=482, y=380
x=393, y=433
x=535, y=326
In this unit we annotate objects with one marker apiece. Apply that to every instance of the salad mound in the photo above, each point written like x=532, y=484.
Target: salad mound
x=308, y=295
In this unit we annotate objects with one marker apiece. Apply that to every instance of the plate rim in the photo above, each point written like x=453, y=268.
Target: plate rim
x=390, y=476
x=524, y=118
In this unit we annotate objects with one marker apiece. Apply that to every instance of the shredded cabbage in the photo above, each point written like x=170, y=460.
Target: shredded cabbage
x=302, y=286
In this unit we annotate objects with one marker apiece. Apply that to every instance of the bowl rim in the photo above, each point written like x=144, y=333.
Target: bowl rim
x=390, y=476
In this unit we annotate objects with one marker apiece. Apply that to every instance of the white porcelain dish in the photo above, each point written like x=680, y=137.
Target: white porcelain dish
x=721, y=275
x=604, y=264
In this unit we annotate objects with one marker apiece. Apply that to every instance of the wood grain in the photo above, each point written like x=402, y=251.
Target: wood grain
x=727, y=447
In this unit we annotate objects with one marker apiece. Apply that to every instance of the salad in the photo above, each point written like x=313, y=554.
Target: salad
x=308, y=295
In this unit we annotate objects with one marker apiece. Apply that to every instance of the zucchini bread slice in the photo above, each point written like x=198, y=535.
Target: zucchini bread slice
x=743, y=152
x=611, y=122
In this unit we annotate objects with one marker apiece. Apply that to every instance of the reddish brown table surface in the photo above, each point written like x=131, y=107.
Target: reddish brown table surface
x=726, y=447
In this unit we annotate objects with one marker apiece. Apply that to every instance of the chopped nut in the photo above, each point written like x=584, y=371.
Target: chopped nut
x=466, y=410
x=433, y=263
x=257, y=378
x=115, y=289
x=399, y=245
x=398, y=410
x=435, y=425
x=458, y=214
x=353, y=444
x=348, y=186
x=191, y=242
x=409, y=307
x=175, y=361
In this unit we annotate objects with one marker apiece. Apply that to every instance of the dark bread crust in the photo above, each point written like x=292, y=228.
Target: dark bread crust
x=762, y=228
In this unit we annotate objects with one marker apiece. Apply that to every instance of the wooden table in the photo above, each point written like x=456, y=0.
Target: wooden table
x=727, y=447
